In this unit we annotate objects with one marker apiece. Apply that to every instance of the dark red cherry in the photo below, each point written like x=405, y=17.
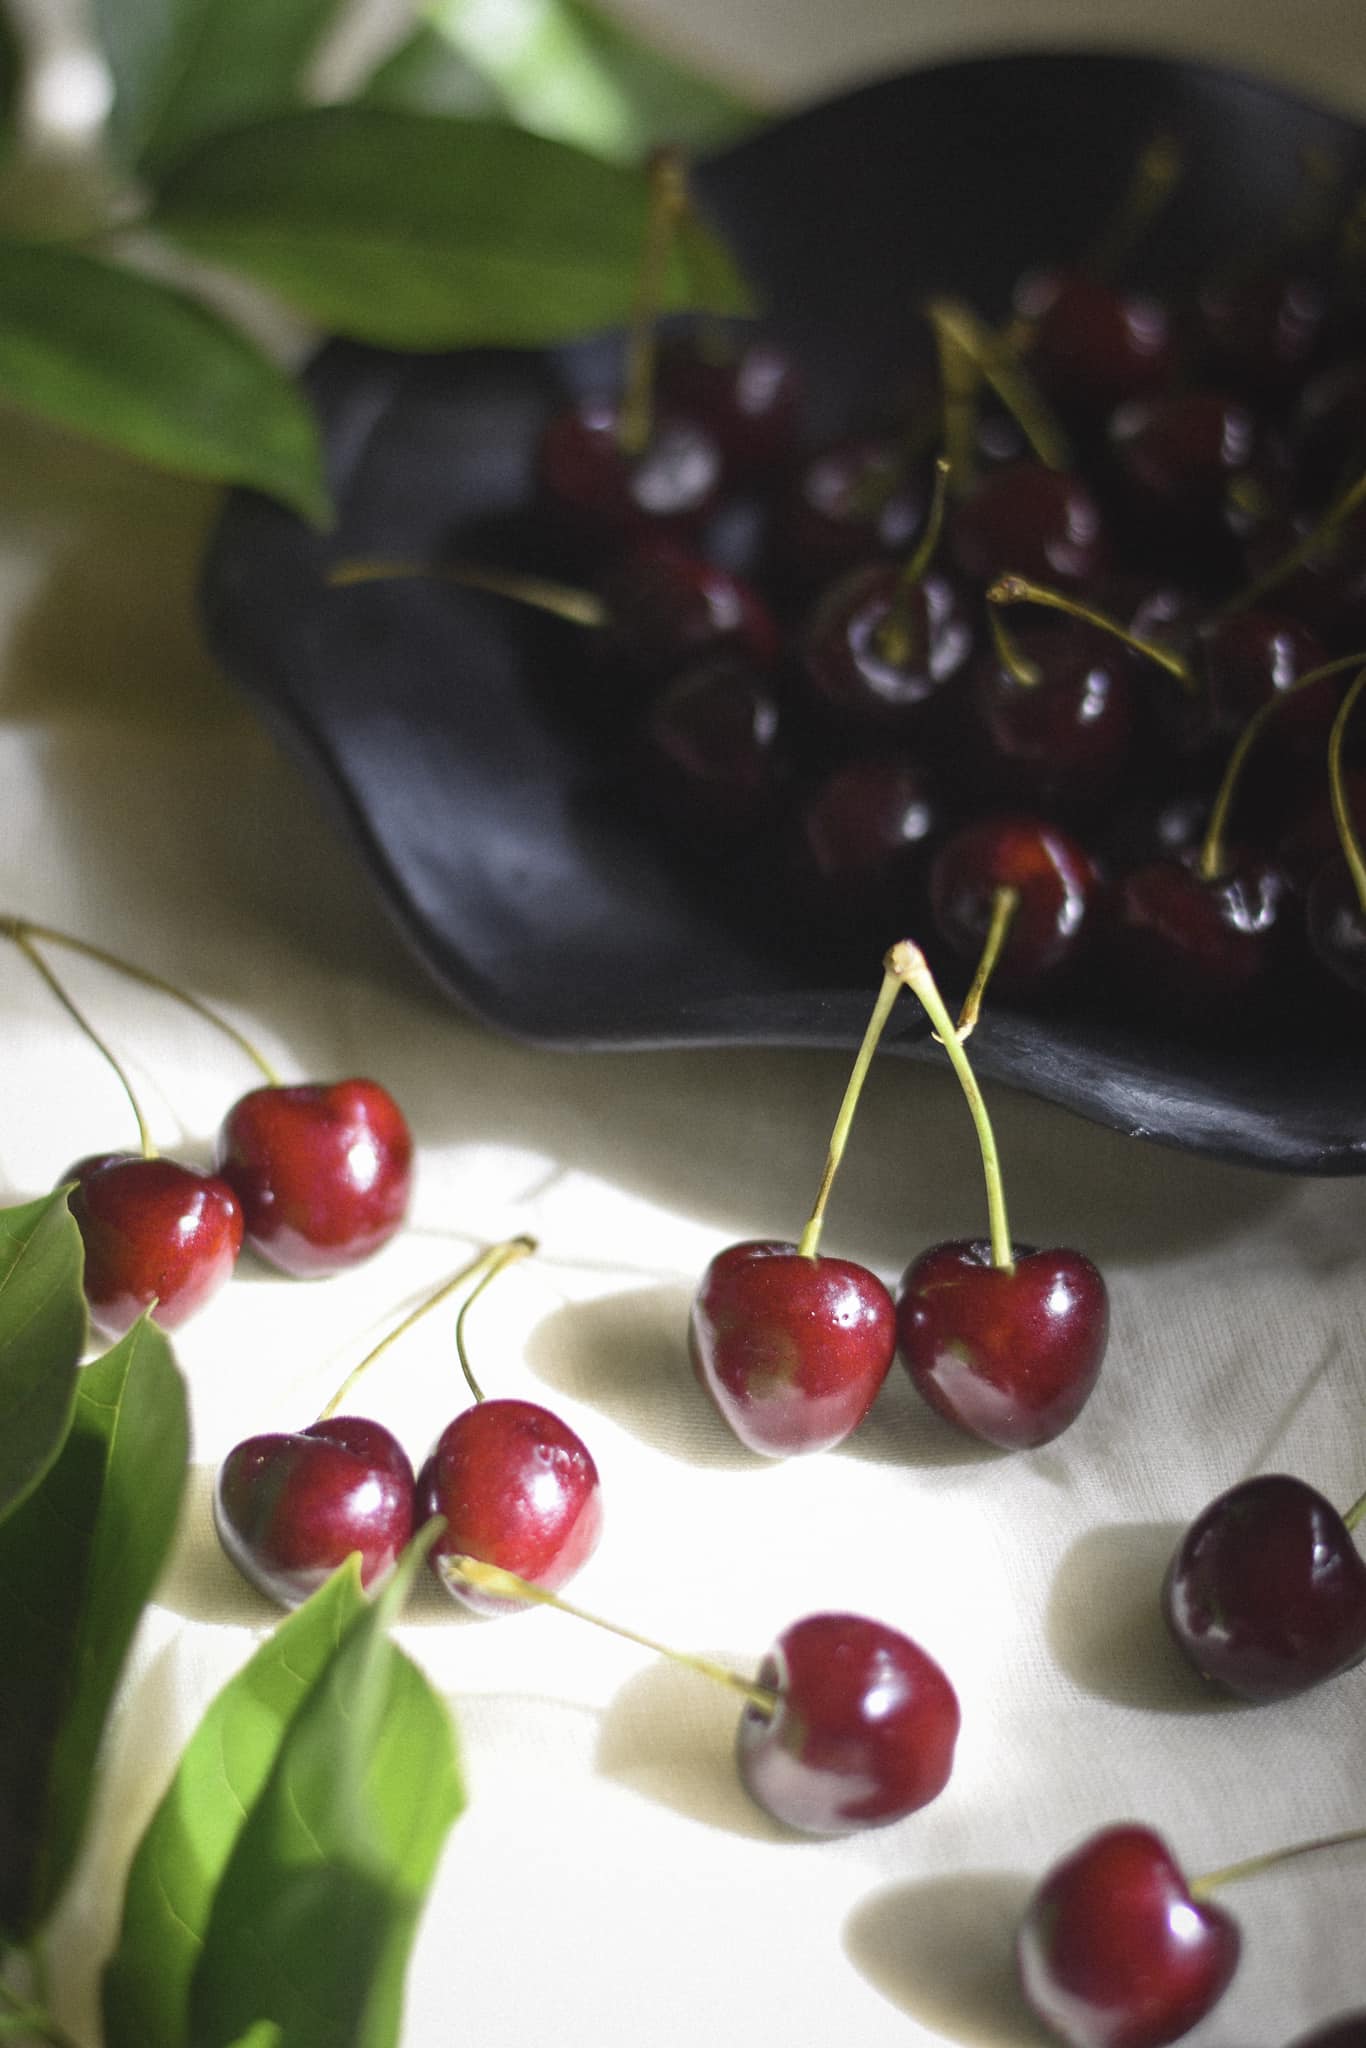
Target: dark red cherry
x=863, y=1732
x=1035, y=522
x=1309, y=835
x=1181, y=450
x=1063, y=739
x=518, y=1489
x=1250, y=658
x=874, y=655
x=862, y=840
x=1328, y=430
x=1348, y=2030
x=711, y=764
x=1261, y=333
x=1336, y=923
x=153, y=1231
x=1266, y=1594
x=1009, y=1355
x=1053, y=876
x=845, y=505
x=290, y=1508
x=791, y=1349
x=1114, y=1952
x=599, y=495
x=323, y=1172
x=745, y=390
x=667, y=608
x=1197, y=949
x=1090, y=344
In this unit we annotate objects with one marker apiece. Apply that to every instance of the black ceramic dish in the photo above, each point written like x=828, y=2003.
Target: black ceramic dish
x=530, y=895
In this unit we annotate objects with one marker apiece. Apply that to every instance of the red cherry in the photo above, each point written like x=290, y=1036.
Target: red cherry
x=1266, y=1594
x=863, y=1731
x=1262, y=332
x=1009, y=1355
x=791, y=1349
x=601, y=494
x=744, y=389
x=876, y=656
x=861, y=841
x=1052, y=875
x=1198, y=949
x=518, y=1489
x=1034, y=522
x=710, y=747
x=667, y=608
x=1091, y=345
x=848, y=503
x=1336, y=923
x=153, y=1230
x=1114, y=1952
x=323, y=1172
x=290, y=1508
x=1064, y=738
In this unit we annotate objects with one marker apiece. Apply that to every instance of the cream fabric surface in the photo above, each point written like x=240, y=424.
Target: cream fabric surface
x=610, y=1881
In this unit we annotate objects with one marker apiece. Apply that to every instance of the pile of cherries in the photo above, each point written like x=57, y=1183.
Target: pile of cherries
x=844, y=686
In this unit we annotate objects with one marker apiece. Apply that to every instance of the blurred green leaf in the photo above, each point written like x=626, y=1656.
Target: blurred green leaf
x=181, y=1857
x=133, y=362
x=11, y=78
x=565, y=68
x=184, y=69
x=424, y=75
x=42, y=1336
x=78, y=1561
x=420, y=232
x=316, y=1911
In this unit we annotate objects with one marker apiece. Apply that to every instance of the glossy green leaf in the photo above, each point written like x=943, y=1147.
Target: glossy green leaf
x=133, y=362
x=420, y=232
x=565, y=68
x=182, y=1856
x=42, y=1336
x=78, y=1561
x=184, y=69
x=426, y=75
x=316, y=1911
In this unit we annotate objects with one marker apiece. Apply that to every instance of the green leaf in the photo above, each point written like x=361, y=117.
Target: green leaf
x=316, y=1911
x=184, y=69
x=181, y=1857
x=42, y=1336
x=424, y=75
x=564, y=68
x=420, y=232
x=78, y=1561
x=130, y=361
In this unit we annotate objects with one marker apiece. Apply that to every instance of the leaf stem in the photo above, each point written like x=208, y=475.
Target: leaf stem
x=1233, y=1873
x=1337, y=793
x=909, y=965
x=12, y=927
x=839, y=1137
x=668, y=202
x=19, y=933
x=1211, y=859
x=491, y=1260
x=501, y=1585
x=561, y=600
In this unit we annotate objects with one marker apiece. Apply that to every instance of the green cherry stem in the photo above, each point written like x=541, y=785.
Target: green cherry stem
x=1026, y=673
x=501, y=1257
x=1210, y=864
x=1322, y=534
x=562, y=600
x=894, y=639
x=14, y=927
x=22, y=937
x=995, y=360
x=1233, y=1873
x=1004, y=904
x=501, y=1585
x=1019, y=590
x=1337, y=793
x=909, y=965
x=493, y=1259
x=18, y=2018
x=839, y=1137
x=668, y=202
x=1155, y=177
x=1355, y=1513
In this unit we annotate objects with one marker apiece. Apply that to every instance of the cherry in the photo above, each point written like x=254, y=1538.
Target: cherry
x=1195, y=946
x=1090, y=344
x=601, y=492
x=1115, y=1951
x=1055, y=708
x=290, y=1508
x=154, y=1232
x=519, y=1490
x=738, y=384
x=666, y=608
x=1261, y=333
x=862, y=837
x=848, y=503
x=711, y=763
x=792, y=1346
x=1348, y=2030
x=862, y=1731
x=1003, y=1340
x=1035, y=522
x=1180, y=451
x=1266, y=1594
x=323, y=1172
x=1054, y=881
x=849, y=1724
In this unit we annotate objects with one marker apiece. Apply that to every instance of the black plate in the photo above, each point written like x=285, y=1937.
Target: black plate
x=529, y=895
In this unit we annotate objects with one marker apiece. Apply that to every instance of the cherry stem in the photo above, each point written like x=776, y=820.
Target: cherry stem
x=839, y=1137
x=994, y=359
x=894, y=639
x=21, y=935
x=1026, y=673
x=501, y=1585
x=1156, y=176
x=959, y=379
x=12, y=927
x=1233, y=1873
x=1337, y=793
x=1210, y=864
x=1019, y=590
x=1323, y=530
x=668, y=201
x=503, y=1255
x=909, y=965
x=20, y=2018
x=1004, y=904
x=562, y=600
x=1355, y=1513
x=491, y=1260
